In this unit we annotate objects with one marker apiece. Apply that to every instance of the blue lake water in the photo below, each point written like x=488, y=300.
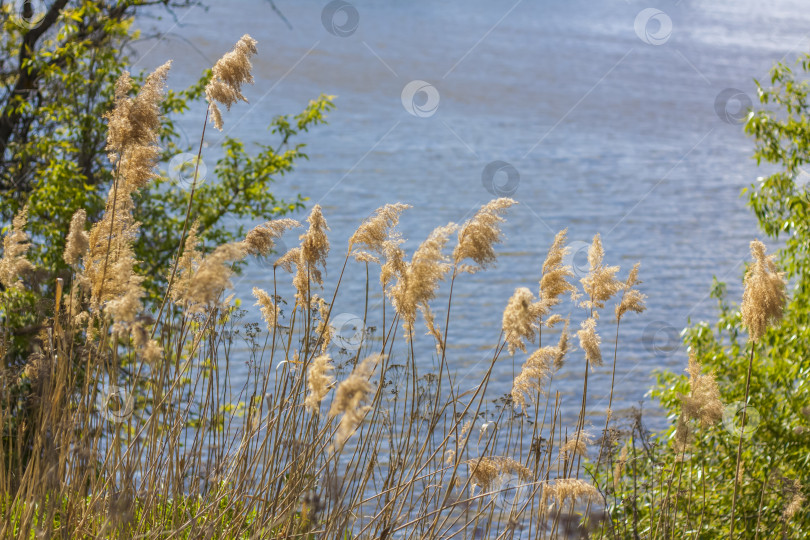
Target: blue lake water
x=608, y=114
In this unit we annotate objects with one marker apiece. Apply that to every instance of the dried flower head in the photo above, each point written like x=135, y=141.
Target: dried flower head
x=563, y=346
x=312, y=255
x=764, y=295
x=793, y=488
x=125, y=307
x=565, y=489
x=418, y=281
x=135, y=122
x=589, y=341
x=521, y=319
x=555, y=274
x=531, y=380
x=270, y=311
x=229, y=74
x=682, y=441
x=576, y=445
x=152, y=352
x=478, y=235
x=395, y=264
x=213, y=275
x=190, y=260
x=486, y=471
x=375, y=231
x=632, y=300
x=600, y=284
x=703, y=402
x=350, y=399
x=15, y=246
x=618, y=469
x=261, y=239
x=319, y=381
x=77, y=241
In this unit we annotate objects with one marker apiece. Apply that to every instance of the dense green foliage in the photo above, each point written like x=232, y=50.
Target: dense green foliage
x=57, y=83
x=670, y=493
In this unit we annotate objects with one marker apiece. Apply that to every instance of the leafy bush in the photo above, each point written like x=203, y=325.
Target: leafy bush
x=669, y=493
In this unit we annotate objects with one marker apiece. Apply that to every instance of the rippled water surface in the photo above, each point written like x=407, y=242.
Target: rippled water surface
x=613, y=126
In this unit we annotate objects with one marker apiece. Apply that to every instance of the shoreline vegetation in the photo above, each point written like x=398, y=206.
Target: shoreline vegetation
x=121, y=421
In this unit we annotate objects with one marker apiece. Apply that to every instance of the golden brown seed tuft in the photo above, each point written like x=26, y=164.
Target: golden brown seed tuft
x=485, y=471
x=311, y=255
x=213, y=275
x=229, y=74
x=600, y=284
x=477, y=236
x=703, y=402
x=589, y=341
x=375, y=231
x=521, y=319
x=764, y=295
x=269, y=309
x=555, y=274
x=530, y=382
x=77, y=241
x=632, y=300
x=794, y=490
x=262, y=238
x=418, y=280
x=572, y=489
x=577, y=445
x=15, y=245
x=350, y=399
x=319, y=381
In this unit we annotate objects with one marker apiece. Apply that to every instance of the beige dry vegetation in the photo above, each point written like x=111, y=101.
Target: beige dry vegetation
x=132, y=428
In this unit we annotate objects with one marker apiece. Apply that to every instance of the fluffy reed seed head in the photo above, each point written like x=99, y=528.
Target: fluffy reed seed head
x=315, y=243
x=569, y=489
x=270, y=311
x=262, y=238
x=325, y=330
x=521, y=319
x=577, y=445
x=764, y=295
x=134, y=126
x=703, y=402
x=189, y=261
x=312, y=254
x=375, y=231
x=350, y=398
x=589, y=341
x=135, y=121
x=563, y=346
x=632, y=299
x=479, y=234
x=395, y=264
x=15, y=245
x=794, y=490
x=319, y=381
x=229, y=74
x=133, y=132
x=618, y=469
x=77, y=241
x=213, y=275
x=600, y=284
x=555, y=274
x=530, y=382
x=682, y=441
x=485, y=471
x=433, y=328
x=419, y=280
x=125, y=306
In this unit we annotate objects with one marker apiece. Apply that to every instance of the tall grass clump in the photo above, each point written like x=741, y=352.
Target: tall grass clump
x=127, y=422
